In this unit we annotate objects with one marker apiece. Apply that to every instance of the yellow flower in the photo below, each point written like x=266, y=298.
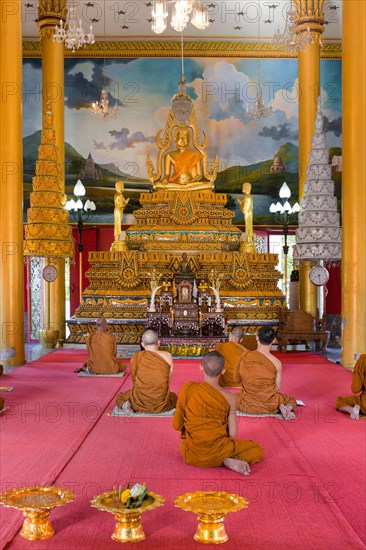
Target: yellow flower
x=125, y=495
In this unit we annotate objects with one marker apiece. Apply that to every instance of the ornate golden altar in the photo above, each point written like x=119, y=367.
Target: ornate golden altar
x=181, y=216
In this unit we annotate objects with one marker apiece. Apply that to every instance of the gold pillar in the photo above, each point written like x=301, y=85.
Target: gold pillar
x=354, y=181
x=50, y=13
x=11, y=186
x=309, y=19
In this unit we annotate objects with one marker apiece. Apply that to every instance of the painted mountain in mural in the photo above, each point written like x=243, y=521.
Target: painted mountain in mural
x=74, y=165
x=263, y=181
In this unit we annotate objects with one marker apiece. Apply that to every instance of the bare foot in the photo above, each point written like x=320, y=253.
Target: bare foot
x=127, y=409
x=239, y=466
x=355, y=414
x=287, y=412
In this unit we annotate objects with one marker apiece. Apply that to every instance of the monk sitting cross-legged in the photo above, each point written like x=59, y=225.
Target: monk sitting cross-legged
x=151, y=370
x=232, y=351
x=206, y=417
x=260, y=375
x=102, y=349
x=354, y=404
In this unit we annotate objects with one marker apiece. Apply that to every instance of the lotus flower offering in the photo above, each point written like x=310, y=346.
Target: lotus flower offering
x=128, y=504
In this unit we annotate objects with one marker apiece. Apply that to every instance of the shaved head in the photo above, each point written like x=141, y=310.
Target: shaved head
x=101, y=323
x=237, y=334
x=213, y=363
x=150, y=338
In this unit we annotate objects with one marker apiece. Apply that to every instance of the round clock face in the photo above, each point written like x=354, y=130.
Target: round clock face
x=319, y=275
x=49, y=273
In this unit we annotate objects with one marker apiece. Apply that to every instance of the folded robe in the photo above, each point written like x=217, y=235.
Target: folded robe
x=101, y=348
x=201, y=417
x=150, y=376
x=358, y=385
x=258, y=393
x=232, y=353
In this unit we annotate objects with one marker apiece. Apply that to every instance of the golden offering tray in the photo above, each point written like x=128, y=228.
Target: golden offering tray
x=211, y=509
x=128, y=526
x=36, y=504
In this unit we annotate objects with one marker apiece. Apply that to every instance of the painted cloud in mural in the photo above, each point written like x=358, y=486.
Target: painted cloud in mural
x=222, y=91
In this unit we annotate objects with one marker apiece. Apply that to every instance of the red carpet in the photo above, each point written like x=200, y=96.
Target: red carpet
x=307, y=493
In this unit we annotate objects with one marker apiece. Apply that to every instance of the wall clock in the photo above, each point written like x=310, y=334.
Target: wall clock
x=49, y=273
x=319, y=275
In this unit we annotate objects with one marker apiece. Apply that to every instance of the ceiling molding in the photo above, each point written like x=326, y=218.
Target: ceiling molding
x=165, y=48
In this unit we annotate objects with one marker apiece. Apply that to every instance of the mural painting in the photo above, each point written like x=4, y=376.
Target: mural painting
x=101, y=151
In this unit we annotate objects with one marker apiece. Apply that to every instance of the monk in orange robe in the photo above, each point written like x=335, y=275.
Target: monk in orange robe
x=260, y=375
x=151, y=371
x=102, y=349
x=232, y=351
x=206, y=417
x=354, y=404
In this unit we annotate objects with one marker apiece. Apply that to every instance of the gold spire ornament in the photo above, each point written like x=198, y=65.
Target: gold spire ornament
x=47, y=232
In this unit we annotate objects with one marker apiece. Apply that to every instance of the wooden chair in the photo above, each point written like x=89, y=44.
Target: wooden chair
x=298, y=327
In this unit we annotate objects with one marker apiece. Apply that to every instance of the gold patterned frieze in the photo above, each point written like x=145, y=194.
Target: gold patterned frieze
x=53, y=231
x=50, y=198
x=43, y=214
x=46, y=248
x=331, y=49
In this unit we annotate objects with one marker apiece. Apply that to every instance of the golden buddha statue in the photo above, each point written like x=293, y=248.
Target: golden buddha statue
x=246, y=206
x=186, y=167
x=120, y=204
x=187, y=164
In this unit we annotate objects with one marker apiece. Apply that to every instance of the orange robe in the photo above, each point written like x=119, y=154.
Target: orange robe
x=201, y=417
x=150, y=376
x=232, y=353
x=258, y=393
x=358, y=385
x=101, y=348
x=184, y=163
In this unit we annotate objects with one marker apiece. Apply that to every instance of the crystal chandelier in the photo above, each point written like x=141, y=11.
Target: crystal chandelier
x=259, y=110
x=294, y=38
x=72, y=34
x=102, y=108
x=183, y=11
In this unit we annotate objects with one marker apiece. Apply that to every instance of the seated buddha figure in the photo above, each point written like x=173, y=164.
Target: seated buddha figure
x=186, y=164
x=182, y=163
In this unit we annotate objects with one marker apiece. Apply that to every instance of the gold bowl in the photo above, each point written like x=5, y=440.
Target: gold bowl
x=48, y=337
x=36, y=504
x=128, y=526
x=211, y=509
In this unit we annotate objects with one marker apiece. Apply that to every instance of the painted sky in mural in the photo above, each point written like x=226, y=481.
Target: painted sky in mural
x=222, y=90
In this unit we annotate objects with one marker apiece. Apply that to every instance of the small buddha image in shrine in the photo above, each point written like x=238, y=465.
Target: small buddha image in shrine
x=184, y=308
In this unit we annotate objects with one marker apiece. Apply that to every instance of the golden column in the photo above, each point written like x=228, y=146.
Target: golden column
x=11, y=186
x=309, y=20
x=354, y=181
x=49, y=15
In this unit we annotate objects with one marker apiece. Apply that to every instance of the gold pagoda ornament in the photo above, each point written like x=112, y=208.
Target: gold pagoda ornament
x=47, y=232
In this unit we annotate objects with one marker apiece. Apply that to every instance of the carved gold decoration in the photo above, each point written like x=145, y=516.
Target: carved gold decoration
x=128, y=526
x=47, y=232
x=168, y=48
x=172, y=221
x=49, y=14
x=36, y=504
x=188, y=180
x=211, y=509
